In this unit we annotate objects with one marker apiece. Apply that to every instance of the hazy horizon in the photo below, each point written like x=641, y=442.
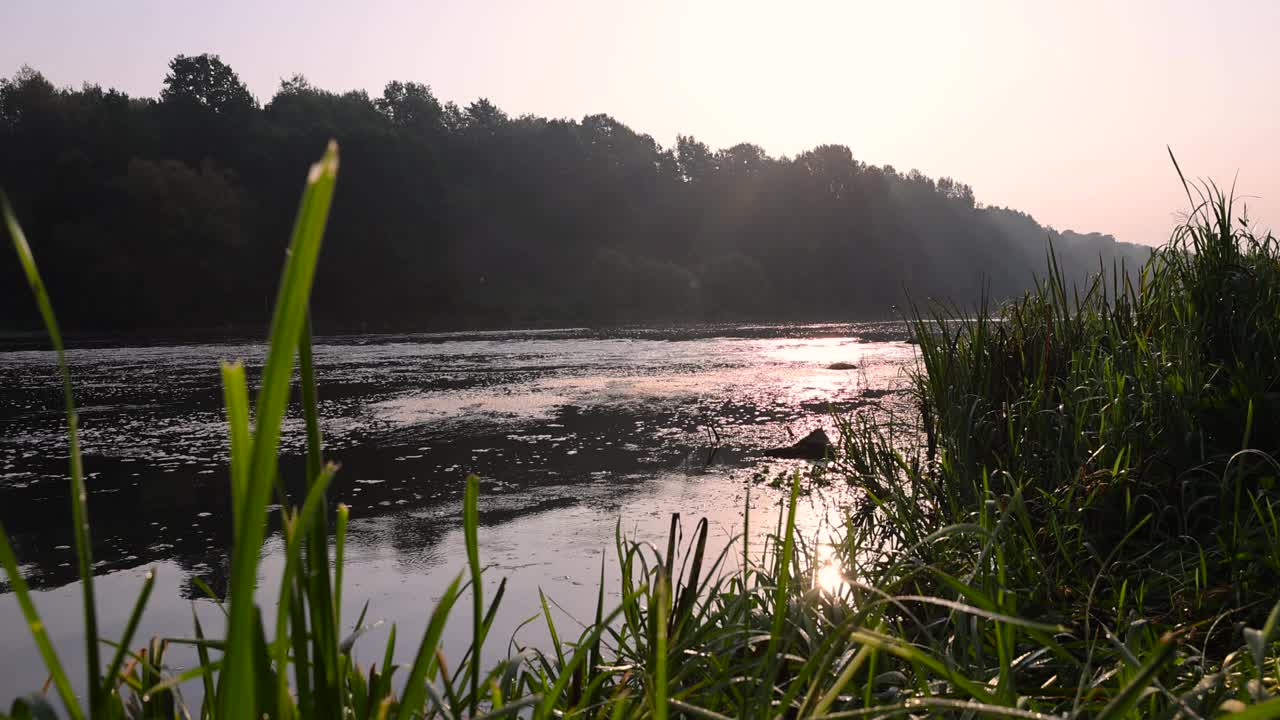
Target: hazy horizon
x=1062, y=114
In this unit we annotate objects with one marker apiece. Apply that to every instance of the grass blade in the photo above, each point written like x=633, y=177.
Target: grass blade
x=415, y=689
x=129, y=629
x=663, y=601
x=238, y=696
x=38, y=632
x=206, y=707
x=339, y=557
x=1129, y=695
x=79, y=495
x=470, y=527
x=296, y=534
x=236, y=395
x=780, y=592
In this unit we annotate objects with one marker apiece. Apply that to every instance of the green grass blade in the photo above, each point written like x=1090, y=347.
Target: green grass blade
x=685, y=598
x=780, y=592
x=1129, y=695
x=38, y=633
x=695, y=711
x=239, y=697
x=202, y=652
x=389, y=653
x=79, y=495
x=594, y=659
x=203, y=587
x=441, y=705
x=323, y=632
x=265, y=675
x=173, y=681
x=339, y=556
x=551, y=629
x=130, y=628
x=979, y=612
x=663, y=601
x=236, y=395
x=470, y=527
x=302, y=665
x=550, y=698
x=414, y=697
x=511, y=709
x=296, y=533
x=310, y=400
x=917, y=656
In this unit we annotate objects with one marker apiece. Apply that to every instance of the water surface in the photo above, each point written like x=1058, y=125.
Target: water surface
x=571, y=432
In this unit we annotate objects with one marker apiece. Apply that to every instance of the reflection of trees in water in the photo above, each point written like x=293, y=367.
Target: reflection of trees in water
x=409, y=498
x=135, y=521
x=184, y=517
x=213, y=569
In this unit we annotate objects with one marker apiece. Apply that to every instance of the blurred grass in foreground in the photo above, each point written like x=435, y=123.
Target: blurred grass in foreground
x=1081, y=523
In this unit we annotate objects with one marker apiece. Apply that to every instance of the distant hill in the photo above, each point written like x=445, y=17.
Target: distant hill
x=173, y=212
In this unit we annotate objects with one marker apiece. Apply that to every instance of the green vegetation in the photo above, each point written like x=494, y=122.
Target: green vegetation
x=463, y=216
x=1082, y=522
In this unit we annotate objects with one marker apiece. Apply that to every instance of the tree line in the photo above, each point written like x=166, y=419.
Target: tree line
x=173, y=212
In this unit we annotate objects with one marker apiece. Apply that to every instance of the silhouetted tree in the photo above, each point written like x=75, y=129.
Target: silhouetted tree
x=411, y=105
x=173, y=213
x=205, y=81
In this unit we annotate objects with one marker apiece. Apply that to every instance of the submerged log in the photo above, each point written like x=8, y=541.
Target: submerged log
x=814, y=446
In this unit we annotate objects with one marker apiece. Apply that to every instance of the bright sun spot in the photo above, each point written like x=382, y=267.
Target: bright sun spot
x=830, y=576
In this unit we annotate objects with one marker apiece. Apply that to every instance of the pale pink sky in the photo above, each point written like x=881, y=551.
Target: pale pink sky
x=1060, y=109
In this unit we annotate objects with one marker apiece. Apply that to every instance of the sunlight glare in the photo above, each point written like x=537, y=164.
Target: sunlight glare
x=830, y=577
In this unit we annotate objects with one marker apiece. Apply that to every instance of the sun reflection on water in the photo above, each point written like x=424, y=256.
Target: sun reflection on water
x=830, y=576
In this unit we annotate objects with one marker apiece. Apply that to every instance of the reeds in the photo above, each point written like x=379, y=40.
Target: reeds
x=1081, y=524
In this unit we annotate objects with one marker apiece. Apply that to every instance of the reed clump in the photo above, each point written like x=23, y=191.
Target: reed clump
x=1081, y=523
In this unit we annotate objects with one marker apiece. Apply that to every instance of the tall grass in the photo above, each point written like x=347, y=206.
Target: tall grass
x=1080, y=523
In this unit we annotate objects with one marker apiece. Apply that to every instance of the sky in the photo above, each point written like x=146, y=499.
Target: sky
x=1063, y=110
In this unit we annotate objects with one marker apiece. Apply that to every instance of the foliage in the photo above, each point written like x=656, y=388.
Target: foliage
x=205, y=82
x=1039, y=554
x=1102, y=458
x=465, y=216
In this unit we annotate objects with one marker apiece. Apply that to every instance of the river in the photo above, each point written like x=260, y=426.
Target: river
x=571, y=432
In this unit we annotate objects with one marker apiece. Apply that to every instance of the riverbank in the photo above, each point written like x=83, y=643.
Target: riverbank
x=1080, y=522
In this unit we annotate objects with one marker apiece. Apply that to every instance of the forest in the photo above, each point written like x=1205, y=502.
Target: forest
x=173, y=213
